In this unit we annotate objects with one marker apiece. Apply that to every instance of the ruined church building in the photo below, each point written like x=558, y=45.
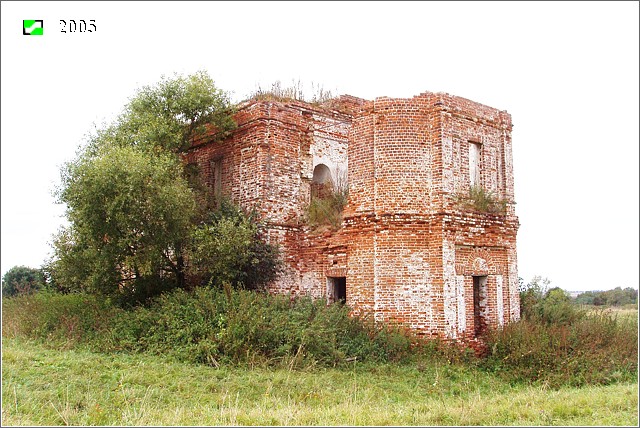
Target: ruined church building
x=407, y=252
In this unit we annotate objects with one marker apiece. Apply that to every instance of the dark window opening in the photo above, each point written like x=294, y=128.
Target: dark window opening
x=337, y=289
x=192, y=172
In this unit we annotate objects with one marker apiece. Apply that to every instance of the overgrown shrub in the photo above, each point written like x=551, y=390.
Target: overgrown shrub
x=596, y=349
x=558, y=343
x=480, y=199
x=58, y=319
x=217, y=326
x=325, y=208
x=210, y=326
x=231, y=247
x=539, y=303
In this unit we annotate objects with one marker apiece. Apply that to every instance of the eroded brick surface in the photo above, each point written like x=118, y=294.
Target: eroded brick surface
x=407, y=248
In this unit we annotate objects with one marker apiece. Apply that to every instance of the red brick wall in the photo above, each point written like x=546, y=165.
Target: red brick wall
x=408, y=161
x=268, y=164
x=407, y=250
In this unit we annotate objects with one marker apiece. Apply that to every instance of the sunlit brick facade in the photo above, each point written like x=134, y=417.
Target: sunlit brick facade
x=408, y=252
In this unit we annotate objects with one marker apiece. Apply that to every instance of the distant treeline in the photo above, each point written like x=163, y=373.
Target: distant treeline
x=615, y=297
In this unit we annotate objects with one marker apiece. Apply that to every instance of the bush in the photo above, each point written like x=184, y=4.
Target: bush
x=325, y=208
x=22, y=280
x=557, y=343
x=480, y=199
x=551, y=306
x=597, y=349
x=57, y=319
x=209, y=326
x=217, y=326
x=231, y=247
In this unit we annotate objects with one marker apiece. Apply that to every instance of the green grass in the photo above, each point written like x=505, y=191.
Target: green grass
x=41, y=386
x=626, y=312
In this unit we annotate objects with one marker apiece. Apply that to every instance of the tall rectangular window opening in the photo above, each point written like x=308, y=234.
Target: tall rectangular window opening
x=474, y=163
x=216, y=177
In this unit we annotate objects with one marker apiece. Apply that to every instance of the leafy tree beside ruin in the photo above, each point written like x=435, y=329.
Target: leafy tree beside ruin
x=132, y=212
x=168, y=116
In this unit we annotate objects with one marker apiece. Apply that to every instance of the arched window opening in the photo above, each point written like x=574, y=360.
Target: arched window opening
x=321, y=183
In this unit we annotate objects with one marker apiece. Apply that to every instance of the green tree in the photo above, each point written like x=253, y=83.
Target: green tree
x=22, y=280
x=556, y=308
x=170, y=115
x=135, y=224
x=539, y=303
x=615, y=297
x=586, y=298
x=131, y=213
x=231, y=248
x=531, y=295
x=620, y=297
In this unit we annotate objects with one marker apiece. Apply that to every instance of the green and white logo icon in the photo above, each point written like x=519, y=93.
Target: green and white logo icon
x=33, y=27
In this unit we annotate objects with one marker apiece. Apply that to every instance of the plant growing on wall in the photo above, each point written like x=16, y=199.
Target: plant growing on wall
x=327, y=202
x=296, y=91
x=480, y=199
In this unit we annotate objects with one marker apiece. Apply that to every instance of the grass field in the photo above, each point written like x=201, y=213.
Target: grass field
x=629, y=312
x=49, y=387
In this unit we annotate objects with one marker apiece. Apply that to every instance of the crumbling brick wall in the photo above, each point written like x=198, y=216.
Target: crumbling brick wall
x=408, y=164
x=407, y=248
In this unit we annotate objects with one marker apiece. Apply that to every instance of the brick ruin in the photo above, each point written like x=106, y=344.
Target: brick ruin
x=408, y=252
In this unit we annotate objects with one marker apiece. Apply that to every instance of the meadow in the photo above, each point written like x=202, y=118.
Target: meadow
x=77, y=387
x=207, y=358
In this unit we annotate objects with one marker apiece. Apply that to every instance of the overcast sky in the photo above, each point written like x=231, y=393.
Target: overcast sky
x=566, y=72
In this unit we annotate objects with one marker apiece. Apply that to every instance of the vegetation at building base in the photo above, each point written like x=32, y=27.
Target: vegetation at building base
x=558, y=342
x=251, y=357
x=209, y=326
x=230, y=247
x=555, y=343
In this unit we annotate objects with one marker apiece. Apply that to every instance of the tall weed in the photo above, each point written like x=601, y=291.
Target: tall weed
x=209, y=326
x=595, y=349
x=63, y=320
x=216, y=327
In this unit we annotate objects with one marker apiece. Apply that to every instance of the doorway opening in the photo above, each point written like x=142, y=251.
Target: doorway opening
x=337, y=289
x=479, y=294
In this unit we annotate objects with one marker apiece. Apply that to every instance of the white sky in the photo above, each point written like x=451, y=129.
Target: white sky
x=566, y=72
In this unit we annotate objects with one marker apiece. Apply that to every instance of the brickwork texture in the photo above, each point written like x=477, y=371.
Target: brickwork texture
x=411, y=254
